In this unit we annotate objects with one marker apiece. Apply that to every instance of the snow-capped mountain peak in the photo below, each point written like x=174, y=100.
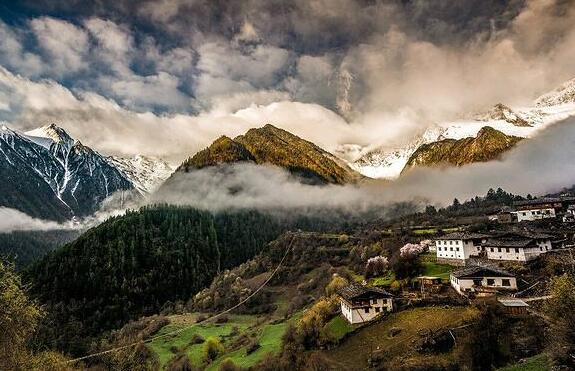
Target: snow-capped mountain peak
x=563, y=94
x=525, y=122
x=146, y=173
x=50, y=134
x=504, y=113
x=67, y=177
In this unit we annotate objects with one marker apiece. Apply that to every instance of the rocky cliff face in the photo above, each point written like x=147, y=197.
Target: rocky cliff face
x=489, y=144
x=270, y=145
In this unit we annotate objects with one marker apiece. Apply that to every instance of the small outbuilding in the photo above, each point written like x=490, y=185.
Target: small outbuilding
x=513, y=306
x=430, y=284
x=361, y=303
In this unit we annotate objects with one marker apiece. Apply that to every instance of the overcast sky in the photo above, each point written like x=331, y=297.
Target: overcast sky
x=167, y=77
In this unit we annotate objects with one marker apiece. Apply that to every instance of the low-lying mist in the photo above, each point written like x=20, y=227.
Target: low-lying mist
x=537, y=166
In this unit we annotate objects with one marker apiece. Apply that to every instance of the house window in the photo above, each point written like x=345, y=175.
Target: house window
x=517, y=250
x=457, y=249
x=373, y=301
x=507, y=249
x=451, y=249
x=505, y=282
x=366, y=310
x=499, y=249
x=491, y=249
x=490, y=281
x=377, y=309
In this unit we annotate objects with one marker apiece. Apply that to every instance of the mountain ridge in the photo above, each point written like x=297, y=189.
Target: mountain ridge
x=51, y=175
x=271, y=145
x=489, y=144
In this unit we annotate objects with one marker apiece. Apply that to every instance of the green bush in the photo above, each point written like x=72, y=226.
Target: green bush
x=212, y=349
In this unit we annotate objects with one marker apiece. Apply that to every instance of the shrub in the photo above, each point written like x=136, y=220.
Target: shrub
x=197, y=339
x=180, y=362
x=412, y=249
x=229, y=365
x=560, y=309
x=337, y=282
x=314, y=319
x=252, y=347
x=376, y=266
x=212, y=349
x=407, y=266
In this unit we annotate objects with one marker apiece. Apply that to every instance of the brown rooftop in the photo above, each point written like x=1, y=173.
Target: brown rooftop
x=355, y=290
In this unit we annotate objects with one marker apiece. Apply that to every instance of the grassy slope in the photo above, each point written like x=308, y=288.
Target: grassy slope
x=270, y=342
x=269, y=337
x=163, y=347
x=539, y=362
x=433, y=269
x=353, y=353
x=338, y=327
x=430, y=268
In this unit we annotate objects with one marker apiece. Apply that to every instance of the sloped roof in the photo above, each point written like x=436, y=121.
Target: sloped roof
x=509, y=242
x=462, y=236
x=354, y=290
x=480, y=271
x=537, y=201
x=524, y=234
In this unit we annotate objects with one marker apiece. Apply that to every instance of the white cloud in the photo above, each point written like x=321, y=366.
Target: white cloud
x=106, y=126
x=13, y=55
x=64, y=45
x=143, y=92
x=13, y=220
x=224, y=69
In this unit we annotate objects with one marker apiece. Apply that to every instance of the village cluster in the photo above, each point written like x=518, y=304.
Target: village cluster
x=476, y=260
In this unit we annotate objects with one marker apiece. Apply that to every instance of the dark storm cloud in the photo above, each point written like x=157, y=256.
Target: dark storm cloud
x=388, y=68
x=306, y=26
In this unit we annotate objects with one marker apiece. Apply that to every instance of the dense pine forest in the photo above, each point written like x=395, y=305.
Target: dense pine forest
x=25, y=247
x=131, y=265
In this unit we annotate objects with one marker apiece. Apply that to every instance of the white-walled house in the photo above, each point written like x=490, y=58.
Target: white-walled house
x=535, y=213
x=537, y=209
x=482, y=280
x=518, y=246
x=362, y=303
x=456, y=248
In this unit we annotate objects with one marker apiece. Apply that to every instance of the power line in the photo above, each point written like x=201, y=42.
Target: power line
x=180, y=330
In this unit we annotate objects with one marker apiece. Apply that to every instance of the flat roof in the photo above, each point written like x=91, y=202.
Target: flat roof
x=512, y=302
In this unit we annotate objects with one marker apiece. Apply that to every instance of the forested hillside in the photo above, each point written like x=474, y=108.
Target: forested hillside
x=131, y=265
x=25, y=247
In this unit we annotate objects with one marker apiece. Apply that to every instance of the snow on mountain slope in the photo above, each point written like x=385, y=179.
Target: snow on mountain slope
x=60, y=168
x=525, y=122
x=146, y=173
x=564, y=94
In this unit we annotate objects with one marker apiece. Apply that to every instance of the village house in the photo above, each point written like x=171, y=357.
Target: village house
x=505, y=216
x=569, y=215
x=481, y=280
x=517, y=246
x=456, y=248
x=362, y=303
x=540, y=208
